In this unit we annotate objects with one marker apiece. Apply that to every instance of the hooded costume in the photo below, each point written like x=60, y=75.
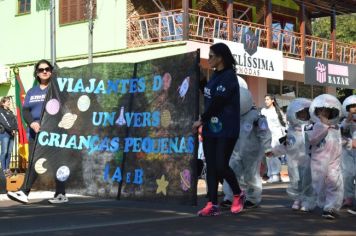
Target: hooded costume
x=300, y=184
x=325, y=150
x=254, y=140
x=348, y=163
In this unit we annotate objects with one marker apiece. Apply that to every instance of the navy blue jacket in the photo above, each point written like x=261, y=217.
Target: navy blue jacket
x=221, y=117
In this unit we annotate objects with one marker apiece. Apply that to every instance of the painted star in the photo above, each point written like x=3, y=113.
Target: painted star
x=162, y=185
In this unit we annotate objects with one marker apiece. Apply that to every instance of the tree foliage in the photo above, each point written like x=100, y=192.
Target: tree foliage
x=345, y=28
x=345, y=32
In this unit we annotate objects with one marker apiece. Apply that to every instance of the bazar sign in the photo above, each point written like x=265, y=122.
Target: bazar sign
x=255, y=61
x=329, y=73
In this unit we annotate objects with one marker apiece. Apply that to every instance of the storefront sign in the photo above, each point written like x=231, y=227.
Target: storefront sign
x=255, y=61
x=329, y=73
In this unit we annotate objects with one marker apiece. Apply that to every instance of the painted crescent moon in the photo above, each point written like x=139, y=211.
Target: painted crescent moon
x=39, y=166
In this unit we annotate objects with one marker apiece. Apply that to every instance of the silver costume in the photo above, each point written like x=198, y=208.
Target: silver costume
x=253, y=142
x=326, y=147
x=300, y=183
x=348, y=163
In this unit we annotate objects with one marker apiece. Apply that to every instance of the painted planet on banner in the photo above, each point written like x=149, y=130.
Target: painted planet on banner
x=63, y=173
x=167, y=80
x=83, y=103
x=52, y=106
x=67, y=121
x=165, y=118
x=185, y=179
x=39, y=166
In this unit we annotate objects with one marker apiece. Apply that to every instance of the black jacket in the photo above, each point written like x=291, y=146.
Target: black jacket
x=8, y=120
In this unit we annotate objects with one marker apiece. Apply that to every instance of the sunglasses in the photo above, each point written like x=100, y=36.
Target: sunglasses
x=41, y=70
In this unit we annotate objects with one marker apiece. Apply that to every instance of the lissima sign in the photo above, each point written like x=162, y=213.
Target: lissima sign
x=255, y=61
x=329, y=73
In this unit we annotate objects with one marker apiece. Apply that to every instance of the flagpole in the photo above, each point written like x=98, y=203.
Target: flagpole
x=53, y=31
x=90, y=32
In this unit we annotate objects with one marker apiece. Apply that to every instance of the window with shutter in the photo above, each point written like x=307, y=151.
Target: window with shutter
x=73, y=11
x=63, y=11
x=23, y=7
x=42, y=5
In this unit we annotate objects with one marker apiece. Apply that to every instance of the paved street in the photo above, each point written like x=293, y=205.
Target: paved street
x=91, y=216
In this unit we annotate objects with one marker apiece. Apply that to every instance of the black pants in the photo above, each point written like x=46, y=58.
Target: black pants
x=217, y=153
x=31, y=175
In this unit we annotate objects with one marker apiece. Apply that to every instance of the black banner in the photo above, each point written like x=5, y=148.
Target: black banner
x=122, y=130
x=329, y=73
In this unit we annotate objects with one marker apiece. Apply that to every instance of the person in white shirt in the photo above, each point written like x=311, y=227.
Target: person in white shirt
x=276, y=124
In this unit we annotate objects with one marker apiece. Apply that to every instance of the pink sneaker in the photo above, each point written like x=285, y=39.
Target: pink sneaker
x=209, y=210
x=238, y=203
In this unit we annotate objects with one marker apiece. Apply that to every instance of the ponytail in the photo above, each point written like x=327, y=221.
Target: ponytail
x=278, y=109
x=280, y=117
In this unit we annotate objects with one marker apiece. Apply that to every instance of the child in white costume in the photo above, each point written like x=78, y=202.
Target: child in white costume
x=300, y=185
x=348, y=164
x=324, y=137
x=254, y=140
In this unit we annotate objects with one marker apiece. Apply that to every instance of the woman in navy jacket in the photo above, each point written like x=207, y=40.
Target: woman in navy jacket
x=221, y=126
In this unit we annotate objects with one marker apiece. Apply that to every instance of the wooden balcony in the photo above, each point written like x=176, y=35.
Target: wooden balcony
x=204, y=27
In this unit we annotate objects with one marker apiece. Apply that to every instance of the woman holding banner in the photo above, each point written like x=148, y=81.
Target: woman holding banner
x=32, y=112
x=221, y=126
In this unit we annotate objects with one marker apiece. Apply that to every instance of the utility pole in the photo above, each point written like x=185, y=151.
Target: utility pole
x=53, y=31
x=91, y=27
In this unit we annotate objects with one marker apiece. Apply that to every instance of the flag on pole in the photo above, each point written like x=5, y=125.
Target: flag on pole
x=20, y=96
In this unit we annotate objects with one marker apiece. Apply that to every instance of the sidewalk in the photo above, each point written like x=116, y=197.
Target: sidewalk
x=96, y=216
